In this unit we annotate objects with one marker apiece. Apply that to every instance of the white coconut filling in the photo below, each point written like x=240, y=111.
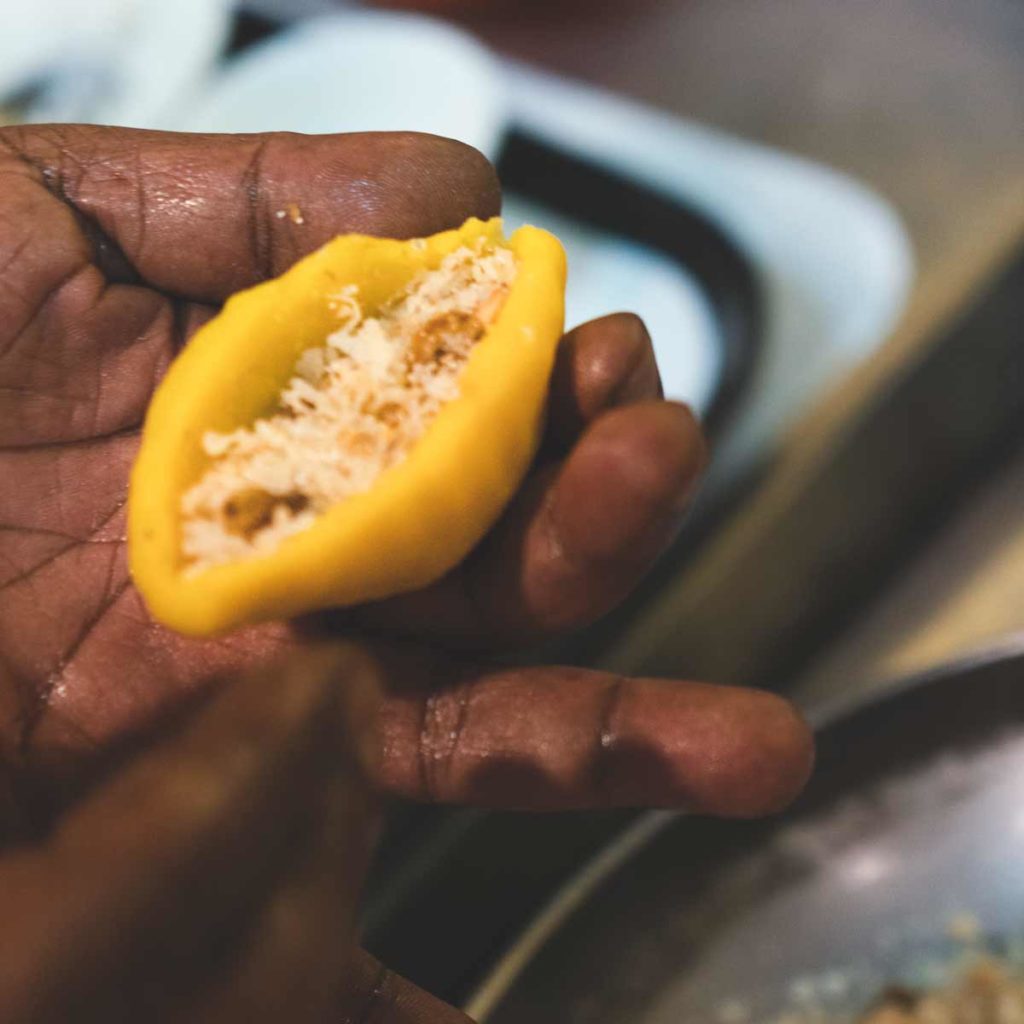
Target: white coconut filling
x=355, y=407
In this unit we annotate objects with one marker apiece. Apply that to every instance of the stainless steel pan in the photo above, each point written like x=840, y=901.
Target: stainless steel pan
x=908, y=845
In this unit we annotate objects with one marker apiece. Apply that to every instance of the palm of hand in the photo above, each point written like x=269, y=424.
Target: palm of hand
x=80, y=356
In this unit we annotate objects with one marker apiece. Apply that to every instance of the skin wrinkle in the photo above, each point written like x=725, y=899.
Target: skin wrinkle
x=72, y=189
x=422, y=752
x=45, y=690
x=97, y=395
x=59, y=390
x=445, y=747
x=137, y=345
x=439, y=739
x=15, y=389
x=43, y=446
x=42, y=531
x=105, y=252
x=158, y=311
x=181, y=314
x=140, y=203
x=56, y=179
x=463, y=696
x=108, y=256
x=373, y=997
x=24, y=300
x=36, y=504
x=147, y=333
x=49, y=560
x=14, y=256
x=260, y=231
x=438, y=735
x=58, y=492
x=607, y=737
x=143, y=341
x=91, y=538
x=40, y=305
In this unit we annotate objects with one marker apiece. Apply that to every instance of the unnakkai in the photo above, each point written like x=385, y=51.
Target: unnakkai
x=354, y=408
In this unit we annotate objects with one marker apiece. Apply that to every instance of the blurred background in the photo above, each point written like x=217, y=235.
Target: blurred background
x=818, y=207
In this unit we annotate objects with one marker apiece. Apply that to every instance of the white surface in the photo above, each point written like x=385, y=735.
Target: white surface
x=834, y=259
x=124, y=62
x=359, y=72
x=37, y=35
x=609, y=275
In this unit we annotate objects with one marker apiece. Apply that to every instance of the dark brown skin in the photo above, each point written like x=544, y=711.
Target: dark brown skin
x=114, y=246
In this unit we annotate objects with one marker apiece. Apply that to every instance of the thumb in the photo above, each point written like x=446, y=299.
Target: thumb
x=146, y=887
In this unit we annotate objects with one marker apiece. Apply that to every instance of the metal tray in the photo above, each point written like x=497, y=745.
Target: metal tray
x=910, y=836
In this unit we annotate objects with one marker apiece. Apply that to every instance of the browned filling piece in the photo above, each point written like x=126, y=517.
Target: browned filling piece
x=248, y=511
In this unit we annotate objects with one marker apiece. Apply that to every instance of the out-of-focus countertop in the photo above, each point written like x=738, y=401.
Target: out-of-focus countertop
x=965, y=591
x=923, y=100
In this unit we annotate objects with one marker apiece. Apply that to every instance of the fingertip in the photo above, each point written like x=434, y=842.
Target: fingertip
x=444, y=182
x=763, y=762
x=778, y=762
x=639, y=380
x=601, y=364
x=475, y=179
x=724, y=751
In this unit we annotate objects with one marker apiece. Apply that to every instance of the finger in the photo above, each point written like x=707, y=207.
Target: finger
x=290, y=966
x=196, y=216
x=138, y=891
x=576, y=541
x=371, y=994
x=553, y=738
x=204, y=215
x=600, y=365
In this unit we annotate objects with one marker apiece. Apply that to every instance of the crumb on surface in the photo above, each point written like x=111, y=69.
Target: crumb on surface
x=965, y=928
x=984, y=990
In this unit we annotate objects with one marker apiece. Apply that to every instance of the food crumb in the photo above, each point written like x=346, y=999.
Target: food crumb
x=733, y=1012
x=293, y=212
x=981, y=990
x=965, y=928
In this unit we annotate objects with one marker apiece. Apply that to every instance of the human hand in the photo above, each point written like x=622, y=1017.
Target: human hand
x=215, y=878
x=114, y=246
